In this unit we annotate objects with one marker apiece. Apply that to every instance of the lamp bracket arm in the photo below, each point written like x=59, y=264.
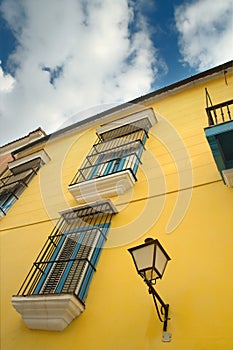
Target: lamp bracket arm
x=163, y=312
x=154, y=293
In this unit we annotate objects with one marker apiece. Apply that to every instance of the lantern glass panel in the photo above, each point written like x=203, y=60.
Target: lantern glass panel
x=160, y=260
x=143, y=257
x=150, y=275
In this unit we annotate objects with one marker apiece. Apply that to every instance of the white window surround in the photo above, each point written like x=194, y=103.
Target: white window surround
x=110, y=185
x=228, y=177
x=130, y=119
x=52, y=313
x=18, y=163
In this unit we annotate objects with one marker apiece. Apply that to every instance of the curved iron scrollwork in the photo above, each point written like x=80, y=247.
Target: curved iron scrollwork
x=162, y=312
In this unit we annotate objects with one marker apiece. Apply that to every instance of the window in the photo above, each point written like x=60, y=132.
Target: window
x=7, y=198
x=114, y=155
x=73, y=260
x=12, y=186
x=219, y=138
x=110, y=167
x=16, y=178
x=66, y=264
x=219, y=135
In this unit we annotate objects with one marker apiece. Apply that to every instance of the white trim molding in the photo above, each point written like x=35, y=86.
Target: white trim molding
x=130, y=119
x=33, y=156
x=51, y=312
x=109, y=185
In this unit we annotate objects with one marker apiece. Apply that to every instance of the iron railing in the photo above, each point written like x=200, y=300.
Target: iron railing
x=68, y=259
x=11, y=187
x=220, y=113
x=112, y=156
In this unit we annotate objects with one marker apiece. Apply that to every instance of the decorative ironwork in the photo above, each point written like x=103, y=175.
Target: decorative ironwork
x=150, y=260
x=219, y=113
x=68, y=259
x=12, y=186
x=112, y=155
x=164, y=309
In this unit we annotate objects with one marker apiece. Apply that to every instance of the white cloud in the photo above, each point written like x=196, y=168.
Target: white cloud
x=86, y=46
x=206, y=32
x=6, y=81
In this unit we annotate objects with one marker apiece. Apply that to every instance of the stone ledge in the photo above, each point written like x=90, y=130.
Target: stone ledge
x=20, y=164
x=48, y=312
x=106, y=186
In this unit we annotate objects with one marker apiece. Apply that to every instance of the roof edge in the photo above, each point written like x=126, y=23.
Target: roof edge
x=133, y=102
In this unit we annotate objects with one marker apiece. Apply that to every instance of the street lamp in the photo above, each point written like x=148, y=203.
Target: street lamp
x=150, y=260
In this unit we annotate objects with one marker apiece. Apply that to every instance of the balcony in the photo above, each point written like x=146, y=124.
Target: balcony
x=16, y=178
x=220, y=135
x=11, y=187
x=55, y=289
x=31, y=161
x=219, y=113
x=111, y=166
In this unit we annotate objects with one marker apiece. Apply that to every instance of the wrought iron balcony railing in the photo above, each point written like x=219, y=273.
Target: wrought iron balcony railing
x=68, y=259
x=54, y=291
x=112, y=156
x=220, y=113
x=219, y=135
x=11, y=188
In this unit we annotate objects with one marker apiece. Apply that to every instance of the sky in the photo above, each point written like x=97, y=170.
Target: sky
x=65, y=60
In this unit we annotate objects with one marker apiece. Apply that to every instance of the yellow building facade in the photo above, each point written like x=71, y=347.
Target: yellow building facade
x=159, y=166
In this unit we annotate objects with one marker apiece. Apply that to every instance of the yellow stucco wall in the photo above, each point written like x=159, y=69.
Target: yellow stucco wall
x=179, y=176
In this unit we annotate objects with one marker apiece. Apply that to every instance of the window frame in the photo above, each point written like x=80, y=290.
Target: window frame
x=20, y=171
x=84, y=279
x=18, y=184
x=81, y=220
